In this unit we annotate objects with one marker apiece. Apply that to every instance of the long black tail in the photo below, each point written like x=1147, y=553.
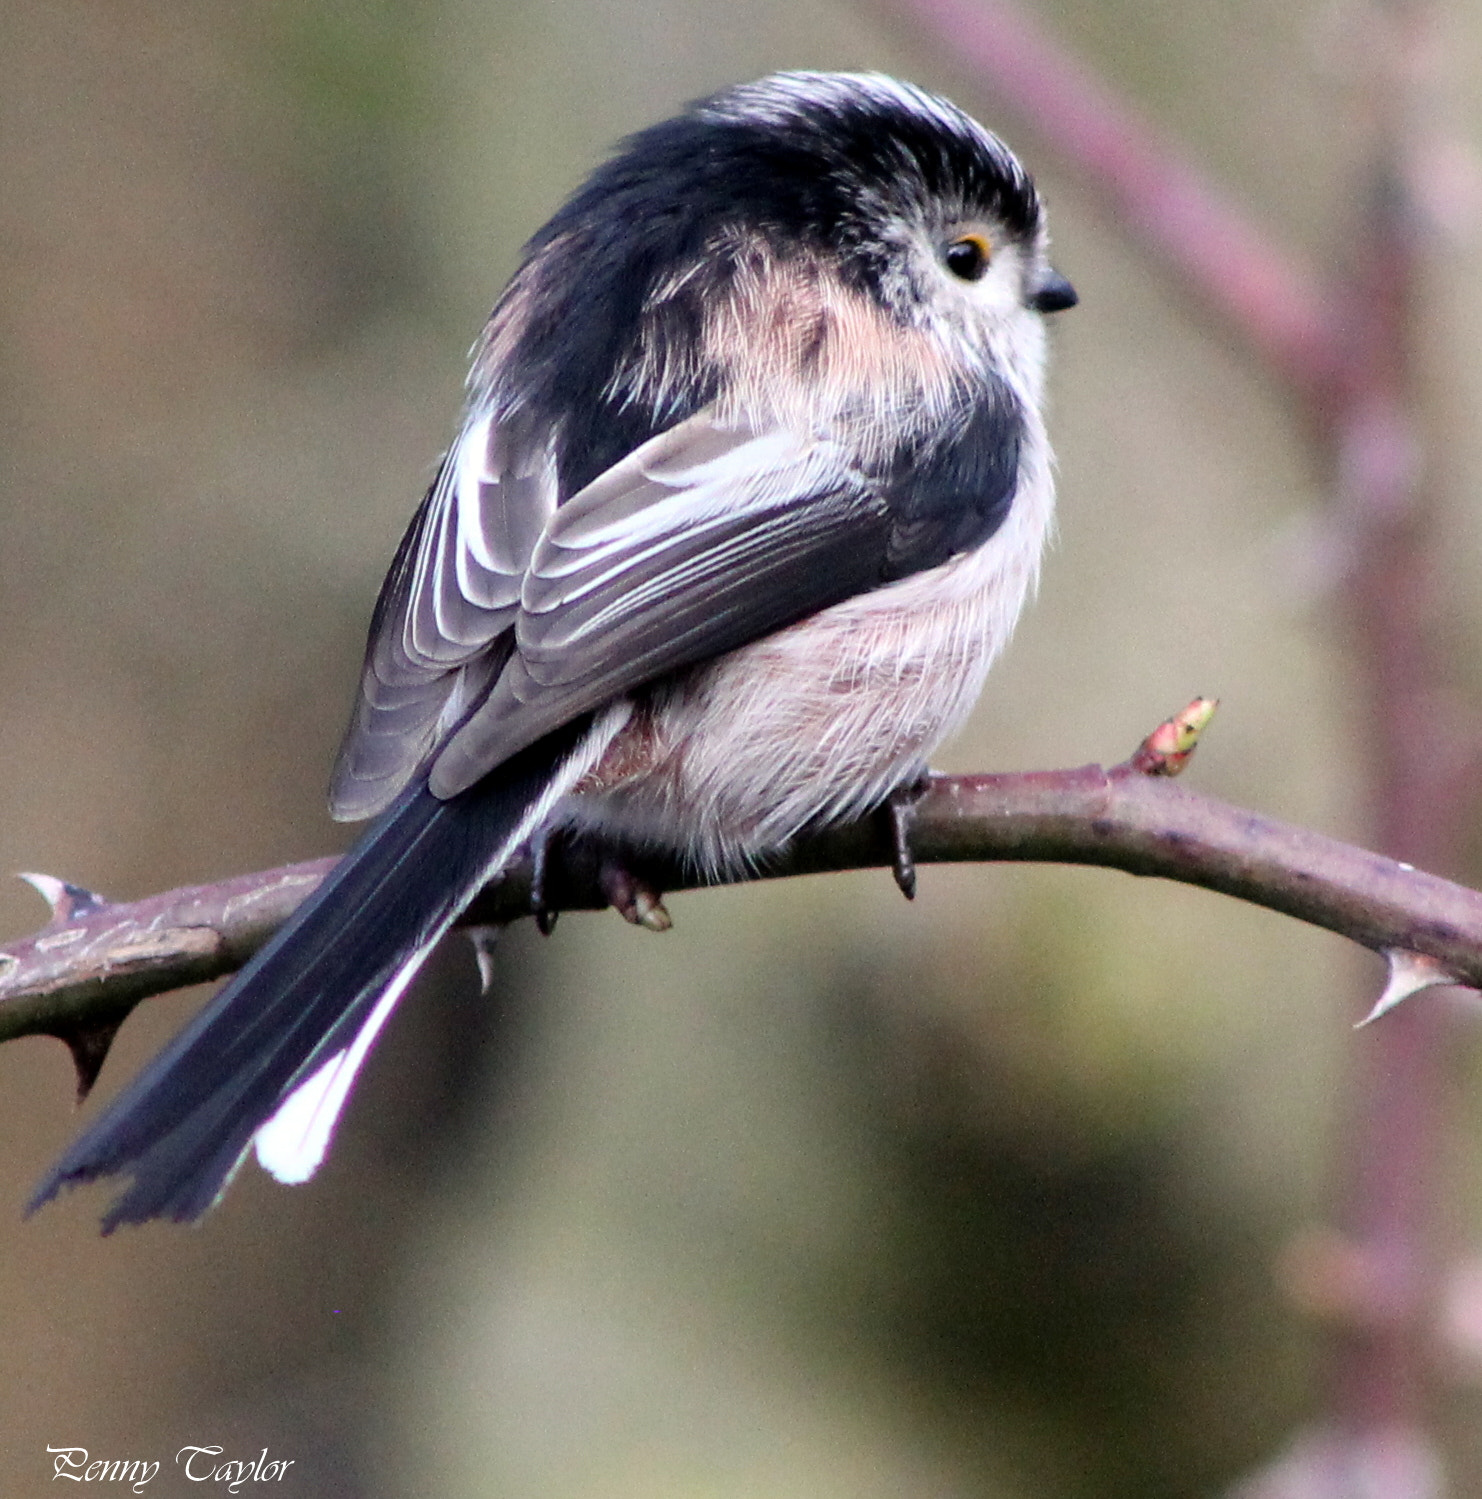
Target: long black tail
x=317, y=992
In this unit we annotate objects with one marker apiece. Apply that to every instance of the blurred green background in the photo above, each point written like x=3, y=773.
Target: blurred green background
x=821, y=1194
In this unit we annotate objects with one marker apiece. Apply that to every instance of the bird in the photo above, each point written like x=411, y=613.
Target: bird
x=750, y=487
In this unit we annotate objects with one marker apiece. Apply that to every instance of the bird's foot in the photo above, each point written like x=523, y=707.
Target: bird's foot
x=900, y=812
x=635, y=898
x=541, y=848
x=632, y=896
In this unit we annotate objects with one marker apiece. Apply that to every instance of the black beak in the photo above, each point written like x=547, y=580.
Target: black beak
x=1053, y=294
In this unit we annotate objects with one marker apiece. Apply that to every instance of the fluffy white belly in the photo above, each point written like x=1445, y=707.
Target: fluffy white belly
x=820, y=721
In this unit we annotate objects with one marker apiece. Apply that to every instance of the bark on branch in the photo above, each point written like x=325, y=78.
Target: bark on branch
x=80, y=975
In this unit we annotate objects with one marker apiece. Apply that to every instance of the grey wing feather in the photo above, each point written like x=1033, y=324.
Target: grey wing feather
x=698, y=542
x=441, y=630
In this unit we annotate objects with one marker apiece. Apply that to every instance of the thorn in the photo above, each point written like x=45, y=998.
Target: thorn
x=67, y=901
x=1168, y=748
x=89, y=1045
x=484, y=939
x=1409, y=973
x=633, y=898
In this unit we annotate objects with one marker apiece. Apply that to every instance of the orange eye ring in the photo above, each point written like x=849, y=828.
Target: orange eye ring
x=967, y=256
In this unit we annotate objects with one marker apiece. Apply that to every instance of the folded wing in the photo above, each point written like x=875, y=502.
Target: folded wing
x=441, y=629
x=701, y=540
x=507, y=615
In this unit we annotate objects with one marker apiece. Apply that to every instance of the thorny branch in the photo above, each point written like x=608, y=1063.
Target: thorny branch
x=80, y=975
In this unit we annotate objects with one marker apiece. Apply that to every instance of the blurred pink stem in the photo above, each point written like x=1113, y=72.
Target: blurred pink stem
x=1416, y=775
x=1344, y=350
x=1265, y=296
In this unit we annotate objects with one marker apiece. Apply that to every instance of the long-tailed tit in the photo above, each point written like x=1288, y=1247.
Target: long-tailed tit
x=750, y=488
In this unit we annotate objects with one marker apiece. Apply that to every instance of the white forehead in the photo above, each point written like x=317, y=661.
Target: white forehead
x=782, y=97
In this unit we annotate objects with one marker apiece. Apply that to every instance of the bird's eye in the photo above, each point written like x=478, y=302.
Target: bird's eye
x=967, y=256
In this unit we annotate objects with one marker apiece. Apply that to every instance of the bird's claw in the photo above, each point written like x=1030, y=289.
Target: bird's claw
x=540, y=862
x=631, y=896
x=900, y=809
